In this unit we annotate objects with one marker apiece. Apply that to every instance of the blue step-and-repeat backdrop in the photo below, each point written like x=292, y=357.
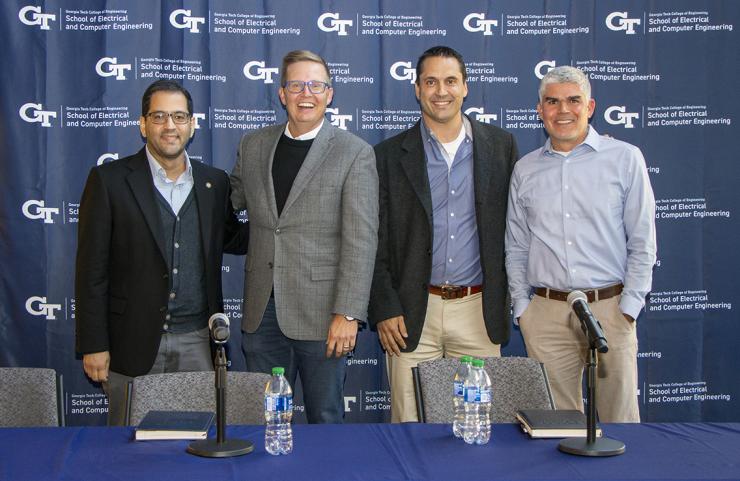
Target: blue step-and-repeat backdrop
x=664, y=75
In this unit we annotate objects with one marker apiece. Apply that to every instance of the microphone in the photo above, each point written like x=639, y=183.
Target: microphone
x=218, y=324
x=590, y=325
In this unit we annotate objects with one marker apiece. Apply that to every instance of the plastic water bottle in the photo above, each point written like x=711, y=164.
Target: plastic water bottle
x=471, y=395
x=484, y=407
x=476, y=426
x=458, y=391
x=278, y=413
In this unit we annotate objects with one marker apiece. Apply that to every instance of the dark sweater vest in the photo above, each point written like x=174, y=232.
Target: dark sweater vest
x=187, y=306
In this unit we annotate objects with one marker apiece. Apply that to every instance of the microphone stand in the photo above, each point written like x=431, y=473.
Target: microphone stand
x=591, y=445
x=220, y=447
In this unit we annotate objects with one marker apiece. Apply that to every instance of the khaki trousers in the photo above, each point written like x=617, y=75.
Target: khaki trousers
x=452, y=328
x=553, y=336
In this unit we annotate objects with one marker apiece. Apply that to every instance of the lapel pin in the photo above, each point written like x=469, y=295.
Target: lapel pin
x=208, y=185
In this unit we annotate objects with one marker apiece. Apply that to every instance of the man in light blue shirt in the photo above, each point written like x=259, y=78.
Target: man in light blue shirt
x=439, y=287
x=580, y=217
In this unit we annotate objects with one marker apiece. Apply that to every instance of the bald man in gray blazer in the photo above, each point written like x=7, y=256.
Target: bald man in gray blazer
x=311, y=195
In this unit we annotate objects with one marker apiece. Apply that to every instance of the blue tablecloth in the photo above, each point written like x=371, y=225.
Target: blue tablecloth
x=700, y=451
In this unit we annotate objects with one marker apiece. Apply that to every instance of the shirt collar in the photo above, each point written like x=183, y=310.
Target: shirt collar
x=308, y=135
x=593, y=140
x=158, y=171
x=427, y=134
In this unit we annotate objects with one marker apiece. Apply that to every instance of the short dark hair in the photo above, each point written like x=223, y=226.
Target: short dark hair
x=441, y=51
x=164, y=85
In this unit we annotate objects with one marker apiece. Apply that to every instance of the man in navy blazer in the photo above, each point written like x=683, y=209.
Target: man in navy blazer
x=439, y=287
x=152, y=230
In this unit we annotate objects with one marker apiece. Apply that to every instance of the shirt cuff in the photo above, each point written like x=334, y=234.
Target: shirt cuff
x=630, y=306
x=520, y=305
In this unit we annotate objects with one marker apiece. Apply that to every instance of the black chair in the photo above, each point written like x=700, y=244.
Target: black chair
x=516, y=382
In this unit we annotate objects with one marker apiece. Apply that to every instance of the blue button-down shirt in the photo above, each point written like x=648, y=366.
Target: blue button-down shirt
x=585, y=220
x=175, y=192
x=455, y=250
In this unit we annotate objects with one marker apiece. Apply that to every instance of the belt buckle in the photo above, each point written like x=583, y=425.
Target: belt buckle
x=452, y=292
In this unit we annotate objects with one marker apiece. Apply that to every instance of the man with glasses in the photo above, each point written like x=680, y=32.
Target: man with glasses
x=152, y=230
x=311, y=193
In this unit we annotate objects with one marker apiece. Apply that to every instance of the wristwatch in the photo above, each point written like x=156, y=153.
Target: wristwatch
x=350, y=318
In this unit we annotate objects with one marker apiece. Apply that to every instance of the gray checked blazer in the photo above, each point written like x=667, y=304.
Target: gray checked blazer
x=319, y=254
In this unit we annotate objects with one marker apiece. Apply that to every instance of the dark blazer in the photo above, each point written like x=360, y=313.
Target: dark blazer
x=121, y=284
x=403, y=265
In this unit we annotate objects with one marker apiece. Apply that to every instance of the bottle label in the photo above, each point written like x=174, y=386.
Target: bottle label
x=472, y=394
x=457, y=390
x=278, y=403
x=485, y=395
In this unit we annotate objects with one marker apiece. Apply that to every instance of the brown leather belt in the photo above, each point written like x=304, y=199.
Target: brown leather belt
x=592, y=294
x=454, y=292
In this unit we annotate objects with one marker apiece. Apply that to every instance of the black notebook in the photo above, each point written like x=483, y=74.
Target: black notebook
x=174, y=425
x=553, y=423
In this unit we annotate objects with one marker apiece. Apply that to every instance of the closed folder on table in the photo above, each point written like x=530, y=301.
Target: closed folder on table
x=174, y=425
x=554, y=423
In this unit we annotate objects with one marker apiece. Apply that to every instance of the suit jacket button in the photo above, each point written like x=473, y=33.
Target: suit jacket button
x=163, y=308
x=269, y=264
x=424, y=287
x=165, y=276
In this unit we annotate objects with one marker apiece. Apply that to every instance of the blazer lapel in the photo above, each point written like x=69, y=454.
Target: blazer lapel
x=205, y=197
x=268, y=146
x=483, y=147
x=414, y=165
x=141, y=184
x=316, y=155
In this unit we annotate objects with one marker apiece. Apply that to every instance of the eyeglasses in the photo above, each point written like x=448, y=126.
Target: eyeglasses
x=159, y=117
x=314, y=86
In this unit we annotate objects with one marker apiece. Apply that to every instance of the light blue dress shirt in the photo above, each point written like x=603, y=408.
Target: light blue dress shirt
x=455, y=247
x=581, y=221
x=175, y=192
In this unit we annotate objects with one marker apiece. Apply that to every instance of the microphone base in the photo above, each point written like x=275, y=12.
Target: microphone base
x=600, y=447
x=211, y=448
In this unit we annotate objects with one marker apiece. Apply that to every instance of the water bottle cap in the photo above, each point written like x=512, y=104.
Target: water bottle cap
x=478, y=362
x=466, y=359
x=278, y=371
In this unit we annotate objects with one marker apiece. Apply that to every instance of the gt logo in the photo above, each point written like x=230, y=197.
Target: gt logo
x=337, y=119
x=188, y=22
x=43, y=308
x=31, y=15
x=333, y=24
x=481, y=116
x=35, y=209
x=37, y=114
x=407, y=72
x=347, y=400
x=197, y=118
x=618, y=21
x=476, y=22
x=622, y=117
x=107, y=156
x=260, y=72
x=109, y=67
x=545, y=64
